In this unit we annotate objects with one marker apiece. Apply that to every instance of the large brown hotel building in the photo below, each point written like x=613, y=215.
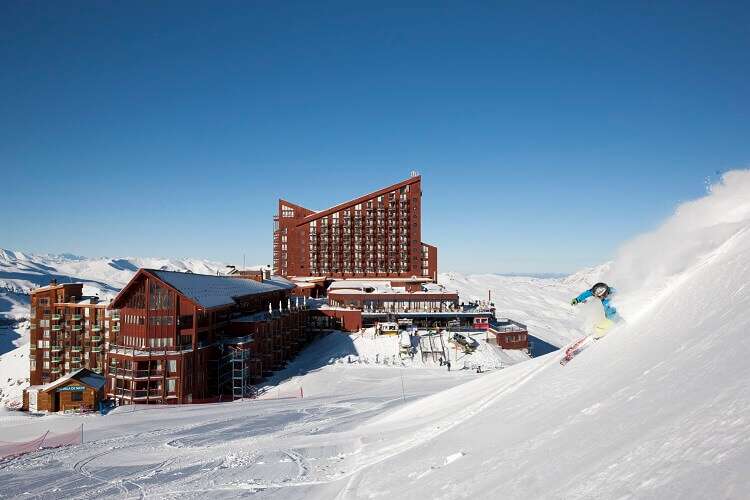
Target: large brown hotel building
x=377, y=235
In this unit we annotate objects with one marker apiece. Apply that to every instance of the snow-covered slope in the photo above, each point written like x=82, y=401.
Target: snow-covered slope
x=21, y=272
x=543, y=304
x=657, y=409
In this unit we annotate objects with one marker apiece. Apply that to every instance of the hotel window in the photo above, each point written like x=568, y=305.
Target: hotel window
x=172, y=365
x=287, y=211
x=171, y=385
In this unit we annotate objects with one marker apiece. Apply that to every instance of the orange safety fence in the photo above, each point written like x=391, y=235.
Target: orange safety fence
x=46, y=440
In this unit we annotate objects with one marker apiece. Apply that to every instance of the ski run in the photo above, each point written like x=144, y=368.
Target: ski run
x=658, y=408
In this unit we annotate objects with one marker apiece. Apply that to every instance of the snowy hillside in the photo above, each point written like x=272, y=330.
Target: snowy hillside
x=21, y=272
x=543, y=304
x=657, y=409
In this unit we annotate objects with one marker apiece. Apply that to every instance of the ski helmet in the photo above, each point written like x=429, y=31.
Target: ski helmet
x=600, y=290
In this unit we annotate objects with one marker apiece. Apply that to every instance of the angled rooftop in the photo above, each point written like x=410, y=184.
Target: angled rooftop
x=210, y=291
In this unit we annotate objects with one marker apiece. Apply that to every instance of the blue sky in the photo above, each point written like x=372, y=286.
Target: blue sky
x=546, y=134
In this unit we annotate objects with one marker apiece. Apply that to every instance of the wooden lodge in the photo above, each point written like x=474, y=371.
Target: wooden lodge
x=81, y=390
x=186, y=338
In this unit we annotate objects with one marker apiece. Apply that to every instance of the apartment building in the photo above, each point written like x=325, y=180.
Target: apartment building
x=68, y=332
x=377, y=235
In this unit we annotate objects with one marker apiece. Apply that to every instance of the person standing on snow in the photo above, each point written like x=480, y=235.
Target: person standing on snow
x=603, y=292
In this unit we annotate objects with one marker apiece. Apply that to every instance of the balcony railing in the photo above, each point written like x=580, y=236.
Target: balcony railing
x=56, y=359
x=138, y=374
x=56, y=328
x=75, y=359
x=55, y=348
x=96, y=348
x=115, y=328
x=56, y=370
x=138, y=394
x=96, y=338
x=115, y=317
x=76, y=348
x=76, y=317
x=56, y=317
x=77, y=328
x=96, y=328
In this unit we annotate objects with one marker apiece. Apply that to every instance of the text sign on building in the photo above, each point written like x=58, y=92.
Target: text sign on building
x=72, y=388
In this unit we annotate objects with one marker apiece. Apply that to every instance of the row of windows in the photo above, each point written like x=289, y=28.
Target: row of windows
x=132, y=319
x=129, y=340
x=161, y=320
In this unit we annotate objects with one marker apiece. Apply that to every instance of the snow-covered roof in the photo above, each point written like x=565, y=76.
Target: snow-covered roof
x=281, y=282
x=83, y=375
x=213, y=291
x=358, y=285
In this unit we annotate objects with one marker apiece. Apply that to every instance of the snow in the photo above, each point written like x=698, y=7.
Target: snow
x=656, y=409
x=214, y=291
x=14, y=375
x=543, y=304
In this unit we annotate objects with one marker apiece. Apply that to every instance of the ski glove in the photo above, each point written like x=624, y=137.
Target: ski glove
x=575, y=301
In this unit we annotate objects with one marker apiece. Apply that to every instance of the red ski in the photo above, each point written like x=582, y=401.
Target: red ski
x=575, y=348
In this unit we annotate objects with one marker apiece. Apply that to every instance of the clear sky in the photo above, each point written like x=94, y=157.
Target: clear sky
x=547, y=133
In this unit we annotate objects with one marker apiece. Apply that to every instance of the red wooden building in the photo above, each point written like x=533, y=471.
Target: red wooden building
x=184, y=337
x=374, y=235
x=510, y=334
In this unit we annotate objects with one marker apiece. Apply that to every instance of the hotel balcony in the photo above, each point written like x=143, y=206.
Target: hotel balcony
x=115, y=328
x=56, y=348
x=56, y=359
x=76, y=348
x=96, y=328
x=136, y=374
x=115, y=317
x=96, y=348
x=56, y=328
x=76, y=317
x=55, y=370
x=143, y=394
x=96, y=338
x=77, y=328
x=56, y=317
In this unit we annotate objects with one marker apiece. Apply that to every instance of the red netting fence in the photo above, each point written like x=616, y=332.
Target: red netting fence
x=46, y=440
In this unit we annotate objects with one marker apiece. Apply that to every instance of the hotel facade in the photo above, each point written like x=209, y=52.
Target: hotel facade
x=377, y=235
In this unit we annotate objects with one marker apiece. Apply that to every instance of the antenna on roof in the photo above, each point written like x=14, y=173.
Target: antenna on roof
x=414, y=173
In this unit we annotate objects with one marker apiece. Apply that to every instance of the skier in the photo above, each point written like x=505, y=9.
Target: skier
x=603, y=292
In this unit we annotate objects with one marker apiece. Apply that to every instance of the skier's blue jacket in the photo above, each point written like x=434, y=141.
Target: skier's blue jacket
x=609, y=311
